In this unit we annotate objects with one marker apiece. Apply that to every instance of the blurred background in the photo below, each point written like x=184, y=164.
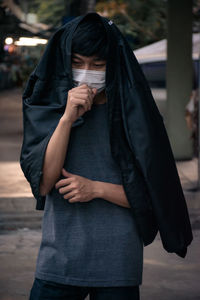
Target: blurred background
x=165, y=37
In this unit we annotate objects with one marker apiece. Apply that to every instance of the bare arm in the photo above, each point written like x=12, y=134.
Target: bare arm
x=77, y=188
x=111, y=192
x=79, y=101
x=55, y=155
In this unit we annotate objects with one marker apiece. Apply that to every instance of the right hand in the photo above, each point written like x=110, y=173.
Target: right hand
x=79, y=100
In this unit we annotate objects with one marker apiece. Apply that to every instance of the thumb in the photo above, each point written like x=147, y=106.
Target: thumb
x=94, y=90
x=65, y=173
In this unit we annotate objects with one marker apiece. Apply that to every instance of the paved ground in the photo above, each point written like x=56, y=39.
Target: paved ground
x=165, y=277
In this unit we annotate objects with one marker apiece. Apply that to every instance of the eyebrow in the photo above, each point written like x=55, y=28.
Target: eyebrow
x=96, y=59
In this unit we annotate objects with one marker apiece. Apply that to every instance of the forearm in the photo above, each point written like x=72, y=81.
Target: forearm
x=111, y=192
x=55, y=155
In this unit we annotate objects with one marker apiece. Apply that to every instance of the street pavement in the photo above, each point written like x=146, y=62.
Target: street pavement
x=166, y=276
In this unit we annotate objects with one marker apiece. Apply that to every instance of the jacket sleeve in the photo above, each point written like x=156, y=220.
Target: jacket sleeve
x=150, y=144
x=41, y=116
x=32, y=164
x=154, y=156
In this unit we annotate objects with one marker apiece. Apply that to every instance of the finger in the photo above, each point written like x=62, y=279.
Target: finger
x=66, y=172
x=89, y=92
x=73, y=199
x=88, y=99
x=83, y=96
x=83, y=85
x=94, y=91
x=66, y=189
x=69, y=195
x=85, y=88
x=62, y=182
x=82, y=103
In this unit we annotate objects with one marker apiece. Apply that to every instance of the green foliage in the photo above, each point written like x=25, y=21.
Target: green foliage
x=142, y=21
x=150, y=17
x=48, y=11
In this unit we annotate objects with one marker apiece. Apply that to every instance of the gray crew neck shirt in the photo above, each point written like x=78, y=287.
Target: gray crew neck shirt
x=94, y=243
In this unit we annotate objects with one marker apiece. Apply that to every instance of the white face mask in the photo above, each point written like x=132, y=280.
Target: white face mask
x=93, y=78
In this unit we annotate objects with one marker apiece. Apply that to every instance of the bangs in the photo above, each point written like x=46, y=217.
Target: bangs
x=90, y=39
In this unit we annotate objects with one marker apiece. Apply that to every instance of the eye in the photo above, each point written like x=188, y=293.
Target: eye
x=100, y=65
x=79, y=63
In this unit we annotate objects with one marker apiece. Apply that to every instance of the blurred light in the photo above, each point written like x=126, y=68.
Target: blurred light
x=11, y=48
x=24, y=41
x=9, y=41
x=6, y=47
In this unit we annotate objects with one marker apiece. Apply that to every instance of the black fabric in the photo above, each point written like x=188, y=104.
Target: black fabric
x=139, y=141
x=44, y=289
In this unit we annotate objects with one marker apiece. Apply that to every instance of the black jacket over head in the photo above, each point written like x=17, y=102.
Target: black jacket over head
x=138, y=138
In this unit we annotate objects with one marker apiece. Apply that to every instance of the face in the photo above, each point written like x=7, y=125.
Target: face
x=88, y=63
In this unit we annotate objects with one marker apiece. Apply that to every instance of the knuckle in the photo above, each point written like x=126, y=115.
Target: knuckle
x=76, y=185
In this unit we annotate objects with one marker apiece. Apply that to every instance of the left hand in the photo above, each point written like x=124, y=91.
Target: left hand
x=76, y=188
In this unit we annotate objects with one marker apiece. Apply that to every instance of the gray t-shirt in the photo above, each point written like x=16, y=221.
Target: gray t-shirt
x=94, y=243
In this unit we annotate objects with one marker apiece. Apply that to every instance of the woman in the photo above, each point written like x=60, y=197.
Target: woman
x=92, y=230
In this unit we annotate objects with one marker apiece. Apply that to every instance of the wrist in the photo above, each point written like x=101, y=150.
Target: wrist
x=65, y=120
x=97, y=189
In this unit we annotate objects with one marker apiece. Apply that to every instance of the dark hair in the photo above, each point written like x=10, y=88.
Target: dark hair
x=90, y=38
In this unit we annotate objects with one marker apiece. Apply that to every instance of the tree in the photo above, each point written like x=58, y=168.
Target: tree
x=52, y=11
x=142, y=21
